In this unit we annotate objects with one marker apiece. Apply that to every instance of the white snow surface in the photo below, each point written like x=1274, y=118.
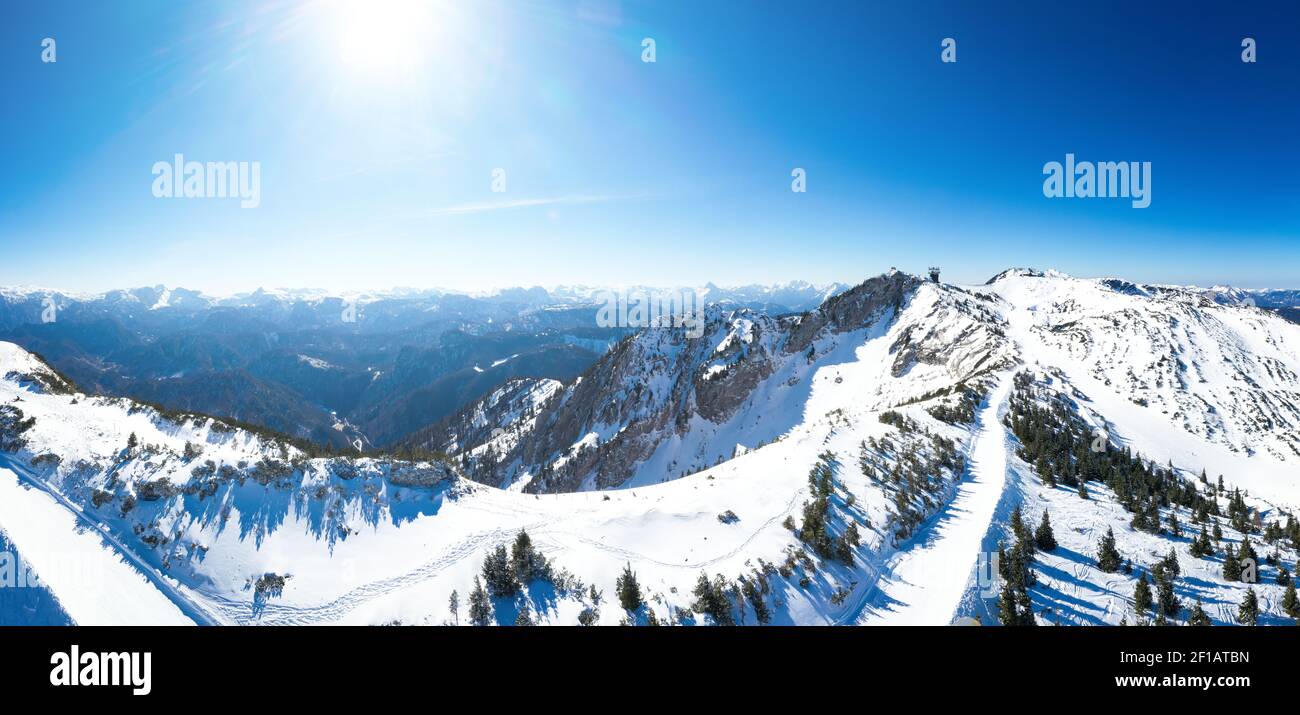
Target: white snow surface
x=1172, y=373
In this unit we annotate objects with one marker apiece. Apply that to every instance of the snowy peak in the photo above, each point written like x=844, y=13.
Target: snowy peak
x=661, y=404
x=1170, y=362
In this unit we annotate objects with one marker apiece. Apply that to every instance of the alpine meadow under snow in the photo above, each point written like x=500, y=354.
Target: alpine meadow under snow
x=1038, y=449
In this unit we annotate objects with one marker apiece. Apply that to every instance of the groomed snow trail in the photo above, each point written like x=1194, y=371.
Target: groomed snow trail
x=96, y=579
x=923, y=583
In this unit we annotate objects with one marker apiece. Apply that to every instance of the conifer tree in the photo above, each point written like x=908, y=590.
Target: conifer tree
x=1248, y=612
x=499, y=573
x=1246, y=551
x=1108, y=558
x=1142, y=595
x=525, y=617
x=454, y=604
x=1043, y=536
x=1026, y=609
x=480, y=605
x=527, y=562
x=629, y=591
x=1290, y=604
x=1022, y=574
x=1201, y=546
x=1199, y=617
x=1231, y=567
x=1018, y=526
x=754, y=594
x=852, y=536
x=1007, y=613
x=1170, y=563
x=1165, y=597
x=711, y=599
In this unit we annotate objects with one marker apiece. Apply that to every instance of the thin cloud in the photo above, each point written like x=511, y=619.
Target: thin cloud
x=509, y=204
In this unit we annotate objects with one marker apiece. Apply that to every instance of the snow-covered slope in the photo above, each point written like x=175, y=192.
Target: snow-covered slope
x=662, y=404
x=1179, y=375
x=849, y=464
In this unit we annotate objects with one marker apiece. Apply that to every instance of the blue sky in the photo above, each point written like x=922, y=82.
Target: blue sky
x=377, y=133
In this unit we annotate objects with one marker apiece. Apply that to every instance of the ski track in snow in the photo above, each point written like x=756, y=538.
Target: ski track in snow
x=279, y=614
x=128, y=591
x=928, y=579
x=924, y=584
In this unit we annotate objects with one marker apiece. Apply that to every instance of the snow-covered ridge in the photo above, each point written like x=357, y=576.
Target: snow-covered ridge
x=661, y=404
x=1217, y=380
x=252, y=531
x=715, y=444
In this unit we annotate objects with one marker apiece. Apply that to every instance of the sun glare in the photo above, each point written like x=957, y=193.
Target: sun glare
x=379, y=38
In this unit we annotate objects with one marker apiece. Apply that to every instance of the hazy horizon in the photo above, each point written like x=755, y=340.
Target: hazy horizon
x=596, y=286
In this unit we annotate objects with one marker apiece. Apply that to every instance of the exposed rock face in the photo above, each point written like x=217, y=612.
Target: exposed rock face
x=662, y=387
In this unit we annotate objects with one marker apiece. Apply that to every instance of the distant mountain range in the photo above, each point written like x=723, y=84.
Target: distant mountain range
x=348, y=372
x=885, y=457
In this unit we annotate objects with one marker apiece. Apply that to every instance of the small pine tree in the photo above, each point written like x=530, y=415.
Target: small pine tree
x=852, y=536
x=1108, y=558
x=1170, y=563
x=1142, y=595
x=526, y=562
x=1020, y=529
x=525, y=617
x=629, y=591
x=1165, y=597
x=1199, y=617
x=1231, y=566
x=454, y=604
x=499, y=574
x=1248, y=612
x=480, y=605
x=1201, y=546
x=713, y=599
x=1007, y=613
x=1026, y=608
x=1290, y=605
x=1043, y=536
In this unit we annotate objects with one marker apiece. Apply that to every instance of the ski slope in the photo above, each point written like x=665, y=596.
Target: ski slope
x=93, y=582
x=923, y=585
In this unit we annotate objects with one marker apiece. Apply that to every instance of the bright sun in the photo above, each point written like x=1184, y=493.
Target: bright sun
x=380, y=38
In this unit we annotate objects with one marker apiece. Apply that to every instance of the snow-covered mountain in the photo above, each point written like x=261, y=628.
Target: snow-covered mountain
x=349, y=371
x=859, y=462
x=391, y=309
x=662, y=404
